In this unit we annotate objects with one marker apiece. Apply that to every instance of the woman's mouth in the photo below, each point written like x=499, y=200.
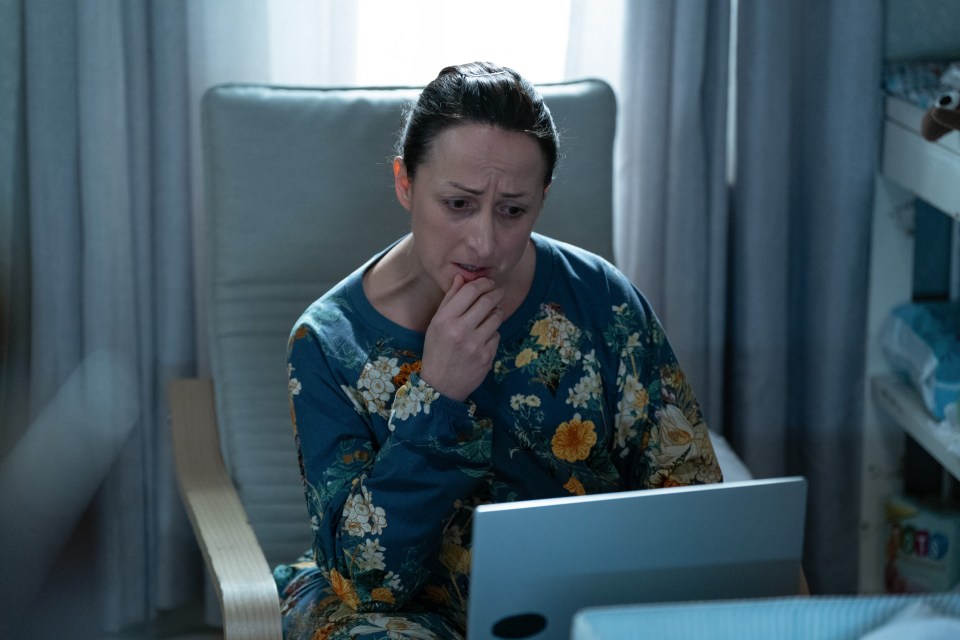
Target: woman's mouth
x=471, y=272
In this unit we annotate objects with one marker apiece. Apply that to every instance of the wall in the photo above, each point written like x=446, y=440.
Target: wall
x=922, y=29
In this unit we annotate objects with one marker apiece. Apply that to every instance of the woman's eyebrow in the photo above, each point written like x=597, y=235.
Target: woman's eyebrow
x=478, y=192
x=461, y=187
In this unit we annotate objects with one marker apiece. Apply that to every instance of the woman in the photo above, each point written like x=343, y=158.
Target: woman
x=471, y=361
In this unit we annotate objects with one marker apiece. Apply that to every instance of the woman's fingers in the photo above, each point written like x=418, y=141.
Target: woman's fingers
x=462, y=339
x=461, y=296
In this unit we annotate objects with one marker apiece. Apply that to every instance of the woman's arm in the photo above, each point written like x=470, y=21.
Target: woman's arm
x=660, y=427
x=378, y=507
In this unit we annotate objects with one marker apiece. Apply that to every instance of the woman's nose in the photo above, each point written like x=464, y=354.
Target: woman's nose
x=481, y=234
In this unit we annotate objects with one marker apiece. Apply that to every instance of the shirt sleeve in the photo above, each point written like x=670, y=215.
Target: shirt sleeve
x=378, y=504
x=661, y=436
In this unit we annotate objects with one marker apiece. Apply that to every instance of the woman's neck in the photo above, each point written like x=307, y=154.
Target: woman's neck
x=399, y=289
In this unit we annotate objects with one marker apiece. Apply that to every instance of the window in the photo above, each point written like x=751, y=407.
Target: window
x=382, y=42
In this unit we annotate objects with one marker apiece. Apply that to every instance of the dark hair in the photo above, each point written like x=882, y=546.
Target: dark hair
x=477, y=92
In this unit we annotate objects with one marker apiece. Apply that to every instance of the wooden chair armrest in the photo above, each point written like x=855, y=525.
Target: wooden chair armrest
x=241, y=575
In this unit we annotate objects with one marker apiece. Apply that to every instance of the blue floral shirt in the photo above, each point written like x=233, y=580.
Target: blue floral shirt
x=585, y=396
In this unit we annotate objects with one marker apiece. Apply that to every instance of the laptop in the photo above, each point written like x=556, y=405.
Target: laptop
x=537, y=562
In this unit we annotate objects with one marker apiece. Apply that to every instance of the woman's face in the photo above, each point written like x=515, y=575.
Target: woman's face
x=473, y=203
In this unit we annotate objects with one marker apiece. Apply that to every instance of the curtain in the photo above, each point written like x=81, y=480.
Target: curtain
x=671, y=178
x=748, y=229
x=808, y=110
x=107, y=310
x=100, y=229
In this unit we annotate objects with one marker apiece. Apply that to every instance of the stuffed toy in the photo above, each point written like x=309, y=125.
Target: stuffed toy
x=942, y=117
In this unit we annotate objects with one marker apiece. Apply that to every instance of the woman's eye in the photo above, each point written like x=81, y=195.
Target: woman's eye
x=513, y=211
x=458, y=204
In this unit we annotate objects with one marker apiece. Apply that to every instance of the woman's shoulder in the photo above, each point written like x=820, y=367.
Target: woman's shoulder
x=334, y=312
x=578, y=258
x=590, y=274
x=342, y=307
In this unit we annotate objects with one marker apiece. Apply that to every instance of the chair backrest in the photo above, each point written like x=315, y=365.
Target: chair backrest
x=299, y=193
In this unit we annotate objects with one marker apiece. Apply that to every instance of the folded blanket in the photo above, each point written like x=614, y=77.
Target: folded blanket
x=919, y=621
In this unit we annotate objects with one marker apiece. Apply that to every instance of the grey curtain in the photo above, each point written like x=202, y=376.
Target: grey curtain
x=97, y=311
x=671, y=180
x=808, y=109
x=101, y=265
x=752, y=240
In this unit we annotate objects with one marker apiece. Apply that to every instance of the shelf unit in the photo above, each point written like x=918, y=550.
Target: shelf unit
x=911, y=168
x=902, y=404
x=928, y=170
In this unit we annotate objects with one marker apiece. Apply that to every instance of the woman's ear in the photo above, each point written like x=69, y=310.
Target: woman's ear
x=401, y=182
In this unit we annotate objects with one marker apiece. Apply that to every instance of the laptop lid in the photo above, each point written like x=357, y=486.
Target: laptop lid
x=536, y=563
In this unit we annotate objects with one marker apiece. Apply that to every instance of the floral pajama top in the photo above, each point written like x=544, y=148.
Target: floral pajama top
x=585, y=396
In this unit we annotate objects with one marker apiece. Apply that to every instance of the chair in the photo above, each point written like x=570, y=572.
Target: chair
x=299, y=193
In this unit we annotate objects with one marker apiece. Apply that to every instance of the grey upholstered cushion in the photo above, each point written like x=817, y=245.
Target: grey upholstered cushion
x=299, y=193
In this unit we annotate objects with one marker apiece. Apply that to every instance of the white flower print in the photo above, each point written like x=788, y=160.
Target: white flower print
x=411, y=400
x=634, y=395
x=585, y=390
x=376, y=383
x=371, y=556
x=632, y=407
x=520, y=400
x=355, y=398
x=361, y=516
x=677, y=436
x=625, y=430
x=393, y=581
x=293, y=385
x=590, y=361
x=396, y=628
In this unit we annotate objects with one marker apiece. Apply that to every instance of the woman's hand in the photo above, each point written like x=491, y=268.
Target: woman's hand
x=462, y=339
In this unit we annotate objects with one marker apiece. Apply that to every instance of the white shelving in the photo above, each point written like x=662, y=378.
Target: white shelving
x=911, y=168
x=929, y=170
x=902, y=403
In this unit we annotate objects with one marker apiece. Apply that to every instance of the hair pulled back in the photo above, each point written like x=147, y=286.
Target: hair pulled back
x=481, y=93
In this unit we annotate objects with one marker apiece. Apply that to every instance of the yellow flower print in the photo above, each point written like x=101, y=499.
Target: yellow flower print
x=324, y=632
x=455, y=558
x=344, y=589
x=574, y=486
x=382, y=594
x=437, y=594
x=526, y=356
x=574, y=439
x=556, y=331
x=405, y=370
x=546, y=332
